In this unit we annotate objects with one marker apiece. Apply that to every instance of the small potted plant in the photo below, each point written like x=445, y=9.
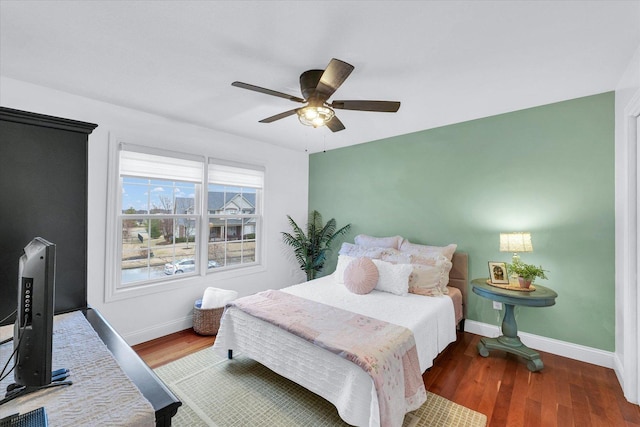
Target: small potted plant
x=526, y=273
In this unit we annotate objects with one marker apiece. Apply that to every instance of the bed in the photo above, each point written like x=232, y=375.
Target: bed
x=433, y=321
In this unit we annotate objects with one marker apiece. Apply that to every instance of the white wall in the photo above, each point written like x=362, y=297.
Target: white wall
x=627, y=104
x=286, y=193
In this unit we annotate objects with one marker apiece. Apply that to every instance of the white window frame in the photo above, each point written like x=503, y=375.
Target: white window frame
x=255, y=179
x=113, y=259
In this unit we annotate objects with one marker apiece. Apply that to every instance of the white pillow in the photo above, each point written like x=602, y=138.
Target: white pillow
x=216, y=298
x=378, y=242
x=343, y=262
x=393, y=278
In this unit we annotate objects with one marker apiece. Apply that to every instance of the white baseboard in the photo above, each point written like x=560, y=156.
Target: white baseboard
x=618, y=368
x=549, y=345
x=148, y=334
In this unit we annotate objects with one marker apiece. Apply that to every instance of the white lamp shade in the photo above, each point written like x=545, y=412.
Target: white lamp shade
x=515, y=242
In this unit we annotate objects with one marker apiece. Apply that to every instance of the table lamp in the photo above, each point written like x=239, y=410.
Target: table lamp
x=515, y=242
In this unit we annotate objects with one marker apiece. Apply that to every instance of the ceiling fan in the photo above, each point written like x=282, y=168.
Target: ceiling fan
x=317, y=86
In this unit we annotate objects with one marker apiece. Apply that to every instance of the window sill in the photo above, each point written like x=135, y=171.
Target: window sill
x=150, y=288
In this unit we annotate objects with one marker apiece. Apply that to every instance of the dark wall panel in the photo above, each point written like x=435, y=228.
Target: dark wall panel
x=43, y=182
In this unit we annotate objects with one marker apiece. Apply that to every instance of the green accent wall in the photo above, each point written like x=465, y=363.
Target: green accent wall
x=548, y=170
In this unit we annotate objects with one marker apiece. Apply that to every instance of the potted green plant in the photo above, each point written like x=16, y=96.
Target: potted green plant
x=526, y=273
x=310, y=249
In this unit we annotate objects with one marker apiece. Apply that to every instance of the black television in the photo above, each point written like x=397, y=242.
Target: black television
x=33, y=329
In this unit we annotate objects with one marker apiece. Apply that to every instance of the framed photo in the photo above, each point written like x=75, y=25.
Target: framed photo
x=498, y=273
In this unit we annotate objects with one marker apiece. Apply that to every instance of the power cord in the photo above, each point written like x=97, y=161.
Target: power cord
x=4, y=375
x=14, y=312
x=14, y=390
x=1, y=322
x=22, y=390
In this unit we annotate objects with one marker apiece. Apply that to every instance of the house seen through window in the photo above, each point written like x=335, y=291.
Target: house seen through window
x=232, y=224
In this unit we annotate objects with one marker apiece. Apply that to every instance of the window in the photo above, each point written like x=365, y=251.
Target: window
x=234, y=213
x=181, y=215
x=160, y=214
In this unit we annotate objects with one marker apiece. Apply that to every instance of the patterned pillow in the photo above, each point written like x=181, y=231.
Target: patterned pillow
x=428, y=251
x=361, y=276
x=378, y=242
x=430, y=280
x=385, y=254
x=393, y=278
x=394, y=256
x=357, y=251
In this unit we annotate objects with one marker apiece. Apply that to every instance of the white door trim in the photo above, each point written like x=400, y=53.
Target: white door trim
x=627, y=253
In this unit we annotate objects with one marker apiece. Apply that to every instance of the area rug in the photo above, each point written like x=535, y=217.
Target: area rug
x=241, y=392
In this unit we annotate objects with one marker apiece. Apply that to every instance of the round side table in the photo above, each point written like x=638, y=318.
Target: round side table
x=509, y=340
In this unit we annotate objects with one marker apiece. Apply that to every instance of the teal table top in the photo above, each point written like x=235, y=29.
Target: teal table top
x=541, y=297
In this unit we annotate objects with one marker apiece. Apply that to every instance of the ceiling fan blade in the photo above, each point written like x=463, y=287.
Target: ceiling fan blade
x=334, y=75
x=267, y=91
x=279, y=116
x=382, y=106
x=335, y=124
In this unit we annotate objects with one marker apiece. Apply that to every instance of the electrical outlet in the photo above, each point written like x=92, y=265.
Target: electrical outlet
x=497, y=305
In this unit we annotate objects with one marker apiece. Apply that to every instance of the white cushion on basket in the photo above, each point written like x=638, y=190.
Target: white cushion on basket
x=215, y=298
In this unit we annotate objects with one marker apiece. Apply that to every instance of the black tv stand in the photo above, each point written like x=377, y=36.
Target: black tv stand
x=164, y=402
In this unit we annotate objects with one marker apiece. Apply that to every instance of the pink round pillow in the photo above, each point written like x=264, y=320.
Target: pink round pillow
x=361, y=276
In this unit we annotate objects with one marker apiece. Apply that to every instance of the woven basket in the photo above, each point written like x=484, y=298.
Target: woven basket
x=206, y=321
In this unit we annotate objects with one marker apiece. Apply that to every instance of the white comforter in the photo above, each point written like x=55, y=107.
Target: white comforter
x=341, y=382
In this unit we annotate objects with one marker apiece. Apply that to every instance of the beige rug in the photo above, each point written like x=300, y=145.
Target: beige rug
x=241, y=392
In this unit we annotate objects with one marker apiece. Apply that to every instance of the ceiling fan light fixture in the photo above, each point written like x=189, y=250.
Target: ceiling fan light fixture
x=315, y=116
x=317, y=86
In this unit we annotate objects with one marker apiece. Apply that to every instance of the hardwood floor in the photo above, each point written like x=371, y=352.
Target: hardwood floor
x=565, y=393
x=172, y=347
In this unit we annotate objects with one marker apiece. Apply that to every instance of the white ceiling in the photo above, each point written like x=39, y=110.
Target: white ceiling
x=446, y=62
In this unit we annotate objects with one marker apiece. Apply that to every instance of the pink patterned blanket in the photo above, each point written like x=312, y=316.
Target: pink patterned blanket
x=387, y=352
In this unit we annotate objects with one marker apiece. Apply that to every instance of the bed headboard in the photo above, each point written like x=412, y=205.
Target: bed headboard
x=459, y=276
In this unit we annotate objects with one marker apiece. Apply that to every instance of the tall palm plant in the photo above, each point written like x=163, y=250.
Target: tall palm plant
x=311, y=248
